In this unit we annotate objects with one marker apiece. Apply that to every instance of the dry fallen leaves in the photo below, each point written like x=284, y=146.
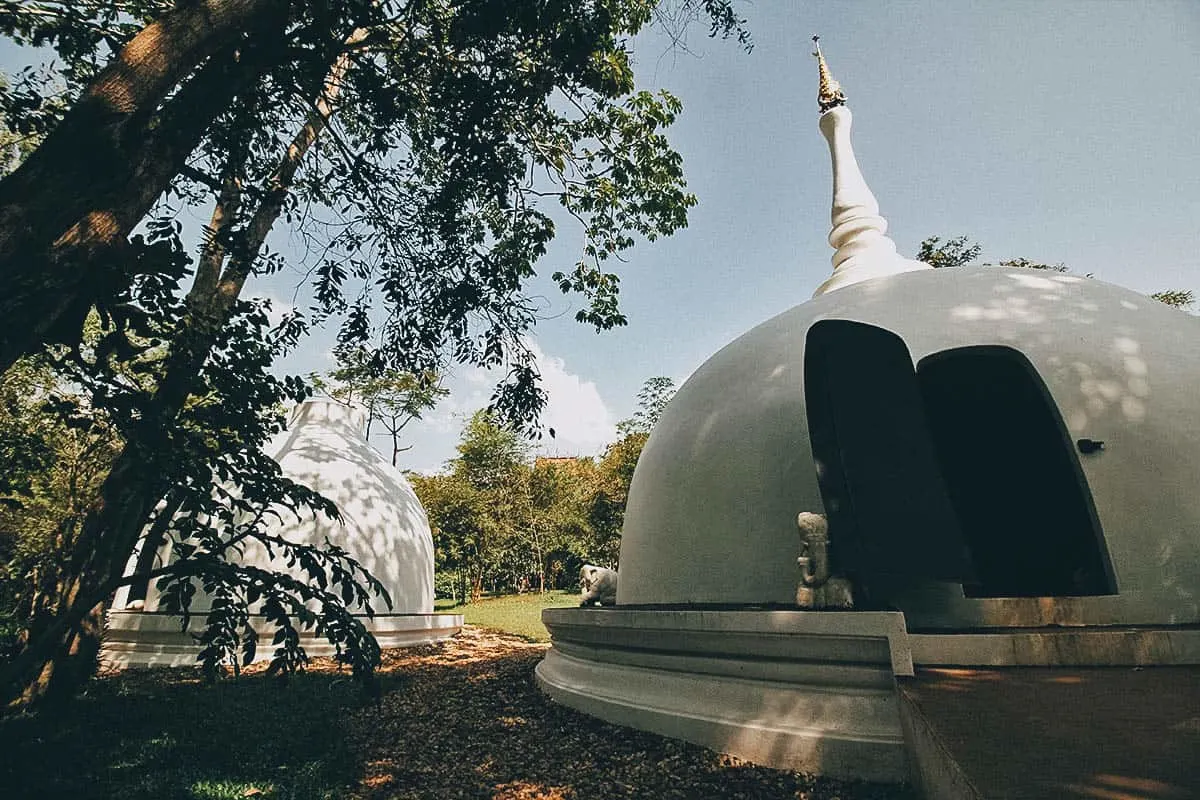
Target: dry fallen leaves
x=459, y=719
x=464, y=718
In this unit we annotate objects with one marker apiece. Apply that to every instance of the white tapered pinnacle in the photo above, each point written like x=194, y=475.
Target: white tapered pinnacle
x=859, y=234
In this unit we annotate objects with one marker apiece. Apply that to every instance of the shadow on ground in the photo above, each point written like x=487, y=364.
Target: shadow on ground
x=462, y=719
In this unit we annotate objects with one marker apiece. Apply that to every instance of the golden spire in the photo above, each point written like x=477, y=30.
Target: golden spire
x=829, y=95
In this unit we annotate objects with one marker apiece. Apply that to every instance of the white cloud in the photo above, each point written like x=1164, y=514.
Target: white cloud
x=582, y=422
x=478, y=375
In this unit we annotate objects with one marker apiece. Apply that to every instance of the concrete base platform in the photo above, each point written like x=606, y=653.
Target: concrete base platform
x=1109, y=709
x=1022, y=733
x=804, y=690
x=153, y=639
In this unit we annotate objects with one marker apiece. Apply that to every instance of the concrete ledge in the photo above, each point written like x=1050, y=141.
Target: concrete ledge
x=811, y=691
x=935, y=773
x=152, y=639
x=1059, y=647
x=837, y=637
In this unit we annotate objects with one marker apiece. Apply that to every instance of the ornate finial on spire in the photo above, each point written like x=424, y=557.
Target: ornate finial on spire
x=829, y=95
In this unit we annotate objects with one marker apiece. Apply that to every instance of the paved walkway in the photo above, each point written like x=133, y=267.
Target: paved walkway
x=1112, y=733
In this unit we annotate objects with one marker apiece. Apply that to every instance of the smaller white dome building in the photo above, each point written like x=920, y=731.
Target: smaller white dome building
x=383, y=526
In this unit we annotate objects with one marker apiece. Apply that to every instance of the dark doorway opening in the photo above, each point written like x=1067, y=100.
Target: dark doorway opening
x=1013, y=477
x=888, y=508
x=960, y=470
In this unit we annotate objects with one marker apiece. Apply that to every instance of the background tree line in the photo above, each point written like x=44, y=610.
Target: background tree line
x=504, y=520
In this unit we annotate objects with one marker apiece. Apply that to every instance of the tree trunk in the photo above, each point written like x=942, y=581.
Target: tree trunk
x=64, y=635
x=67, y=210
x=152, y=542
x=61, y=650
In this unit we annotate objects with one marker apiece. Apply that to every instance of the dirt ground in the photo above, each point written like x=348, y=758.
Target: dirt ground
x=460, y=719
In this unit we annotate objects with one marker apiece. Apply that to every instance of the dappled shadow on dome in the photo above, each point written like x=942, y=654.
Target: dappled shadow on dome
x=711, y=509
x=1057, y=420
x=382, y=527
x=383, y=524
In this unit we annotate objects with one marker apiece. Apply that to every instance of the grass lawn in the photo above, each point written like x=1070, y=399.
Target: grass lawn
x=518, y=614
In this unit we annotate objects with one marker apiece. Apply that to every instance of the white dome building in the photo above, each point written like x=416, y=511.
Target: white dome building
x=383, y=526
x=981, y=439
x=1008, y=462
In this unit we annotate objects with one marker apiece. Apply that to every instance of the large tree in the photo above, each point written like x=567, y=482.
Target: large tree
x=66, y=213
x=410, y=145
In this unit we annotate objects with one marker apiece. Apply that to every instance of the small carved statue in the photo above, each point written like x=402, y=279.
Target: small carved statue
x=598, y=585
x=819, y=588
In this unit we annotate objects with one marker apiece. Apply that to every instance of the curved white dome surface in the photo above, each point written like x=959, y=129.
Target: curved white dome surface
x=383, y=527
x=712, y=507
x=383, y=524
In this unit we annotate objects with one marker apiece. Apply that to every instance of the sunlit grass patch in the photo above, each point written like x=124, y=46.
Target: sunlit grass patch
x=230, y=790
x=518, y=614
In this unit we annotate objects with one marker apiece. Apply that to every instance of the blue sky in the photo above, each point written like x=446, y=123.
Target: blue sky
x=1057, y=131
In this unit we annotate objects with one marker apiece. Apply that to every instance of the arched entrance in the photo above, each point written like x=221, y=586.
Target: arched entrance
x=1013, y=477
x=958, y=471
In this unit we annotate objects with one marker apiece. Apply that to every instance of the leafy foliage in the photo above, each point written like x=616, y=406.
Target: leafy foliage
x=961, y=251
x=652, y=401
x=492, y=467
x=219, y=489
x=1176, y=298
x=956, y=252
x=21, y=131
x=1025, y=263
x=52, y=469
